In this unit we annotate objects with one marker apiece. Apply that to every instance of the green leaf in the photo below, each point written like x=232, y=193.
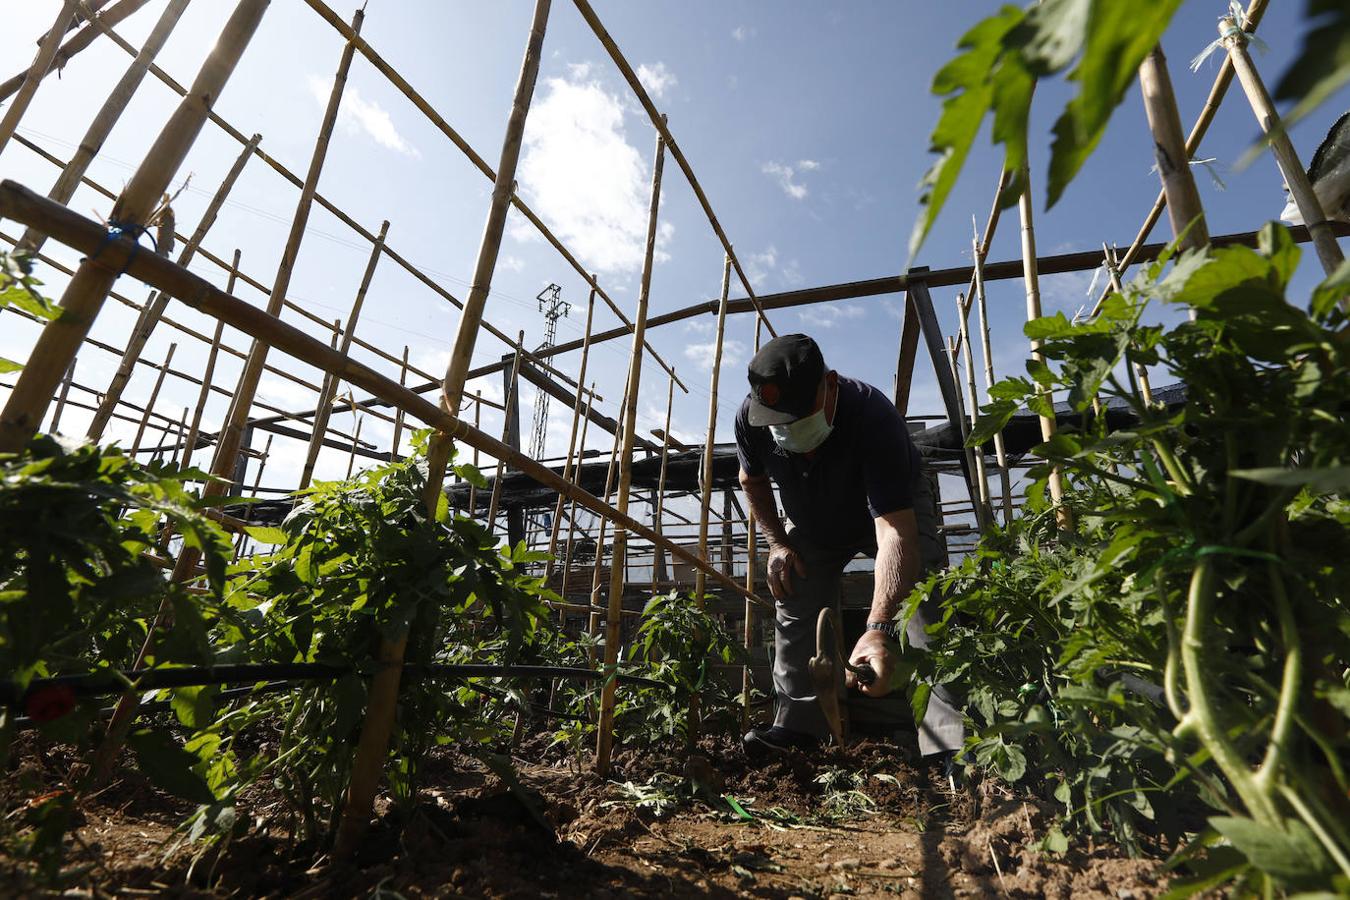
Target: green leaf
x=1323, y=64
x=9, y=365
x=918, y=703
x=1331, y=292
x=304, y=563
x=168, y=765
x=995, y=416
x=266, y=534
x=1291, y=853
x=1277, y=245
x=1331, y=479
x=1117, y=40
x=1047, y=328
x=194, y=705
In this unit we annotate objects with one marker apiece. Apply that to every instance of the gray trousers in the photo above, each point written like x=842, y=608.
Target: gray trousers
x=795, y=636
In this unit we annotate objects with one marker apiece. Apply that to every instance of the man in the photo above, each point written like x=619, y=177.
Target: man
x=849, y=478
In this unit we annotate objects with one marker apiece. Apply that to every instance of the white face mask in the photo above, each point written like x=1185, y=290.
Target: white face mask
x=803, y=435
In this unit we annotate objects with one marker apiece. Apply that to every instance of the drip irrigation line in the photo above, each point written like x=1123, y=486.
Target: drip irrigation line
x=118, y=681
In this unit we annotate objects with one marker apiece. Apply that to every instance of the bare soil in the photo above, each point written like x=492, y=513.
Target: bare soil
x=867, y=822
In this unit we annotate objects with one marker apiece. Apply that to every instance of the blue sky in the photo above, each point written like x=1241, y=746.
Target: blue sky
x=807, y=125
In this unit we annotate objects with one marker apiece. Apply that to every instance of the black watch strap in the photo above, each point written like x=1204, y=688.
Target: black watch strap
x=890, y=629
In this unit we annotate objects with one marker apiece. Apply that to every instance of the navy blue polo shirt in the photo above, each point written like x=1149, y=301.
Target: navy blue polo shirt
x=864, y=469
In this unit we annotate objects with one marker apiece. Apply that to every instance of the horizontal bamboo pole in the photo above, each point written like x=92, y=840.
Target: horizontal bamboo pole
x=84, y=235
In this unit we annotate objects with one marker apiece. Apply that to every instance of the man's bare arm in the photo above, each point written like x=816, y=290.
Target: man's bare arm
x=783, y=560
x=897, y=569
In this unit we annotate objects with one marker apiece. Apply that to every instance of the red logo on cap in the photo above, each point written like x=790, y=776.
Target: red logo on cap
x=768, y=393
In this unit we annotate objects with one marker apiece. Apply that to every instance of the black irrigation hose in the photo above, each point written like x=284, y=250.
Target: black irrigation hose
x=116, y=682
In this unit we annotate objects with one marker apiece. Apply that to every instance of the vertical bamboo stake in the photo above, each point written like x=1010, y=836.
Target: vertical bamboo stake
x=1309, y=207
x=190, y=442
x=154, y=395
x=182, y=432
x=107, y=117
x=41, y=63
x=55, y=427
x=477, y=422
x=572, y=508
x=752, y=551
x=242, y=546
x=1169, y=147
x=87, y=290
x=605, y=731
x=513, y=388
x=1000, y=450
x=356, y=437
x=603, y=524
x=1140, y=373
x=324, y=409
x=986, y=514
x=657, y=552
x=1032, y=281
x=978, y=498
x=705, y=501
x=158, y=301
x=383, y=698
x=398, y=414
x=572, y=439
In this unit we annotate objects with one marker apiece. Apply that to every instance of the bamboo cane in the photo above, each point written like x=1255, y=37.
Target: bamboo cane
x=1031, y=280
x=77, y=43
x=1140, y=372
x=155, y=305
x=107, y=117
x=1309, y=207
x=351, y=457
x=83, y=235
x=85, y=294
x=659, y=122
x=398, y=417
x=610, y=474
x=383, y=697
x=257, y=483
x=705, y=502
x=55, y=427
x=657, y=553
x=974, y=463
x=986, y=347
x=571, y=441
x=1169, y=147
x=752, y=551
x=512, y=390
x=477, y=421
x=154, y=395
x=324, y=410
x=1255, y=10
x=41, y=63
x=190, y=442
x=986, y=515
x=402, y=86
x=182, y=430
x=605, y=728
x=572, y=509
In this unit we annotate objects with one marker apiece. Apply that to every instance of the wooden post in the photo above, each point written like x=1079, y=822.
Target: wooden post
x=383, y=697
x=605, y=730
x=155, y=305
x=986, y=346
x=41, y=63
x=324, y=409
x=512, y=393
x=1032, y=282
x=190, y=442
x=107, y=117
x=154, y=395
x=87, y=290
x=909, y=348
x=571, y=441
x=1309, y=207
x=658, y=555
x=398, y=414
x=572, y=508
x=984, y=510
x=705, y=502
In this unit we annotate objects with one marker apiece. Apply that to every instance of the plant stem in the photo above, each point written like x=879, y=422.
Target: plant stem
x=1328, y=840
x=1199, y=605
x=1283, y=728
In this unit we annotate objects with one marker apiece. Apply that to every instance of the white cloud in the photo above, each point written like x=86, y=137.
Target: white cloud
x=584, y=178
x=511, y=263
x=657, y=79
x=786, y=175
x=829, y=315
x=357, y=114
x=893, y=309
x=743, y=33
x=759, y=265
x=702, y=326
x=702, y=354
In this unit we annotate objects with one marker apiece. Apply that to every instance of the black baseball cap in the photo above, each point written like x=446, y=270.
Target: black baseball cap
x=784, y=378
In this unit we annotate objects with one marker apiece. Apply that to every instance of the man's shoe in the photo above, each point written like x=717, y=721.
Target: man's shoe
x=764, y=741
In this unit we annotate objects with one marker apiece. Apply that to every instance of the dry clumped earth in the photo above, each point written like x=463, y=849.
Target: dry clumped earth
x=819, y=827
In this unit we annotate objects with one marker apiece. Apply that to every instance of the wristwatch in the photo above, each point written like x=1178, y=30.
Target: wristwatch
x=890, y=629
